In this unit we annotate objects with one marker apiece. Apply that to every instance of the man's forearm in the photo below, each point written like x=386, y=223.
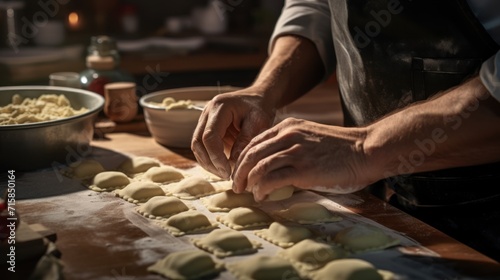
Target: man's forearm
x=293, y=68
x=460, y=127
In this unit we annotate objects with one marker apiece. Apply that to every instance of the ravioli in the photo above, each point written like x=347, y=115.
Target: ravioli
x=163, y=174
x=135, y=165
x=192, y=188
x=309, y=254
x=188, y=222
x=244, y=218
x=108, y=181
x=263, y=267
x=137, y=192
x=160, y=207
x=350, y=269
x=227, y=200
x=86, y=168
x=281, y=193
x=364, y=237
x=309, y=213
x=226, y=242
x=284, y=235
x=192, y=264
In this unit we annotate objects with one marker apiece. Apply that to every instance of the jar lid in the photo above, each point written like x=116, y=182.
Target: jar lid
x=119, y=86
x=103, y=45
x=100, y=62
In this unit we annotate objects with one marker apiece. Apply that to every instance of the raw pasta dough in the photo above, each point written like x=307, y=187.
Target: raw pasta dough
x=193, y=264
x=193, y=188
x=188, y=222
x=86, y=168
x=281, y=193
x=309, y=254
x=46, y=107
x=108, y=181
x=284, y=235
x=159, y=207
x=309, y=213
x=350, y=269
x=227, y=200
x=245, y=217
x=226, y=242
x=163, y=174
x=137, y=192
x=363, y=237
x=263, y=267
x=135, y=165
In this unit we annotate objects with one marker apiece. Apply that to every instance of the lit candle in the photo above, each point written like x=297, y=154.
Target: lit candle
x=74, y=20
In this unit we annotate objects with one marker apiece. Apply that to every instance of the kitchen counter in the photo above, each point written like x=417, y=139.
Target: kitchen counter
x=99, y=238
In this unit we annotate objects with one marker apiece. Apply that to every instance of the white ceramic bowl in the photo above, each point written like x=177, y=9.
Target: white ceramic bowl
x=175, y=128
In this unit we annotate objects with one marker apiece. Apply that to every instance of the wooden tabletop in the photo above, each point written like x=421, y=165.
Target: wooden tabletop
x=98, y=244
x=98, y=241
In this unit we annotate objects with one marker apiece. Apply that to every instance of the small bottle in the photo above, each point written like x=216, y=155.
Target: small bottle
x=103, y=61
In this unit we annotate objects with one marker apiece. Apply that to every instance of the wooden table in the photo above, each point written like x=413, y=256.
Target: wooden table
x=99, y=242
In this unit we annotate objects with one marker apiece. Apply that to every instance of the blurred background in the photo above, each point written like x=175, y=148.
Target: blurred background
x=161, y=44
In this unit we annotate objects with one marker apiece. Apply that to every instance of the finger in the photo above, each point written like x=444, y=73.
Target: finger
x=199, y=151
x=248, y=131
x=207, y=143
x=253, y=154
x=275, y=171
x=213, y=141
x=274, y=180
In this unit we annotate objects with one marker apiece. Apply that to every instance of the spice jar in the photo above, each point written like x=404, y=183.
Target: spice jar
x=103, y=61
x=120, y=101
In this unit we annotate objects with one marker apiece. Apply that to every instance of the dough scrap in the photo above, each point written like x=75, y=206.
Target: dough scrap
x=85, y=169
x=284, y=235
x=226, y=242
x=163, y=174
x=263, y=267
x=308, y=213
x=137, y=192
x=227, y=200
x=135, y=165
x=108, y=181
x=308, y=254
x=244, y=218
x=160, y=207
x=188, y=222
x=363, y=238
x=281, y=193
x=350, y=269
x=192, y=264
x=192, y=188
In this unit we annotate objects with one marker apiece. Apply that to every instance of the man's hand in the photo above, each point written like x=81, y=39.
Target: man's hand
x=304, y=154
x=226, y=126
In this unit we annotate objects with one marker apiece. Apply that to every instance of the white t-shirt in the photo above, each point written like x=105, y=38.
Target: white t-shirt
x=307, y=18
x=488, y=13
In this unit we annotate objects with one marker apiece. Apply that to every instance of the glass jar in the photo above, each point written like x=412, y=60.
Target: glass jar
x=103, y=61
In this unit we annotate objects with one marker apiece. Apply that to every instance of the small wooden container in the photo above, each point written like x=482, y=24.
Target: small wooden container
x=121, y=101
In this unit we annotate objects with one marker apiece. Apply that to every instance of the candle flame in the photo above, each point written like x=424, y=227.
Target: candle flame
x=73, y=19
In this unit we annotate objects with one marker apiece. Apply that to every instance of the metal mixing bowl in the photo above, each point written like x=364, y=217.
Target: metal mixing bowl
x=50, y=143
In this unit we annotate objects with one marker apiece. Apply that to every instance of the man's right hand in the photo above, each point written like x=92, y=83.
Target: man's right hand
x=226, y=125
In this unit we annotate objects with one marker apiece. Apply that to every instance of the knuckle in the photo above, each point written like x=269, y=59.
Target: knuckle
x=208, y=135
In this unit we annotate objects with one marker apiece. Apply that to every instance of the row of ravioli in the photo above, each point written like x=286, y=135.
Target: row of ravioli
x=162, y=193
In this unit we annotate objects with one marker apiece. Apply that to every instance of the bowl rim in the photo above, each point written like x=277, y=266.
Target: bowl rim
x=145, y=104
x=99, y=98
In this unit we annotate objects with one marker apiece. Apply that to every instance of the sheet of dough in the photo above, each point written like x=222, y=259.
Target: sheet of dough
x=164, y=243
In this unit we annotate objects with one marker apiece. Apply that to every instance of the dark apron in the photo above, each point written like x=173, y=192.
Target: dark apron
x=403, y=51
